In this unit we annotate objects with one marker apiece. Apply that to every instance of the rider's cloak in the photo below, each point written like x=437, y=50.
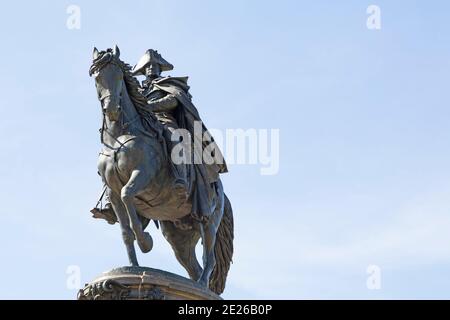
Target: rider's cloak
x=201, y=178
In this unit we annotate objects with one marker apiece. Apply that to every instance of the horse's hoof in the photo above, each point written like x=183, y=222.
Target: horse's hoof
x=146, y=243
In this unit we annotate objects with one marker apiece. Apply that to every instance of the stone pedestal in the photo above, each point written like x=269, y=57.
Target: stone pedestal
x=140, y=283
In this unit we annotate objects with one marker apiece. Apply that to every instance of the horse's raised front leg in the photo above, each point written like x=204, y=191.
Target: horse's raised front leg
x=137, y=182
x=124, y=221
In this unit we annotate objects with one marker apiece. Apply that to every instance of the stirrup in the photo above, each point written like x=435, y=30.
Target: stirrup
x=106, y=213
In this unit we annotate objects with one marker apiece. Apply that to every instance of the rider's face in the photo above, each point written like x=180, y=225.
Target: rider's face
x=152, y=70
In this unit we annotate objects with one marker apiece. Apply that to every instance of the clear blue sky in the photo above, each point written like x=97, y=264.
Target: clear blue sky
x=364, y=153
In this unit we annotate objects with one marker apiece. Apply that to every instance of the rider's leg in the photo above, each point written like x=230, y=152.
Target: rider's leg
x=179, y=169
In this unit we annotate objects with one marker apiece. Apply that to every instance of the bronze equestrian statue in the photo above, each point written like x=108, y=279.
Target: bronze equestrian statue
x=142, y=127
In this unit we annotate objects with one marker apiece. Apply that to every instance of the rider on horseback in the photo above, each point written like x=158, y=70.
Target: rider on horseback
x=163, y=103
x=169, y=100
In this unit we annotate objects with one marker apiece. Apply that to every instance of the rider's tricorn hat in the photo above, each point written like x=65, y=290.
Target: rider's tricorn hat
x=151, y=56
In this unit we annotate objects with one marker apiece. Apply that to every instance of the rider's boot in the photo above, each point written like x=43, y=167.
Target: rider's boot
x=106, y=213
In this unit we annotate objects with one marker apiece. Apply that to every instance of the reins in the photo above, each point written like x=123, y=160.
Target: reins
x=123, y=126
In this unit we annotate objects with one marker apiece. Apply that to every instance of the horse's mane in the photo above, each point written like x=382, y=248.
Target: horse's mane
x=133, y=86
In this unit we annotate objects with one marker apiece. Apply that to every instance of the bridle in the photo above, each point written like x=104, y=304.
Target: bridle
x=123, y=125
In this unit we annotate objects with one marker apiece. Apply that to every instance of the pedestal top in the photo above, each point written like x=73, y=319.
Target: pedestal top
x=142, y=283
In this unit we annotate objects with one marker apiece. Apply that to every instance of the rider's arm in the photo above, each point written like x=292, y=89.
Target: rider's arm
x=167, y=103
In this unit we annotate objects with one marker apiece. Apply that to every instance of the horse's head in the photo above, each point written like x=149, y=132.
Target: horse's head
x=108, y=81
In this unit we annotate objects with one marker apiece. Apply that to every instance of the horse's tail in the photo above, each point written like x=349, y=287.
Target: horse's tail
x=223, y=249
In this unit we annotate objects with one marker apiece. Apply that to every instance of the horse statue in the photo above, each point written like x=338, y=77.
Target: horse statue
x=136, y=170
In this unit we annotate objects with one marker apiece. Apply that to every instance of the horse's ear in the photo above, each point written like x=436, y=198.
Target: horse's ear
x=95, y=53
x=116, y=51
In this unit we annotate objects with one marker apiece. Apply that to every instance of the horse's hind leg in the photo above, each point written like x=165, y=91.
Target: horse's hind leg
x=137, y=182
x=208, y=232
x=127, y=233
x=183, y=243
